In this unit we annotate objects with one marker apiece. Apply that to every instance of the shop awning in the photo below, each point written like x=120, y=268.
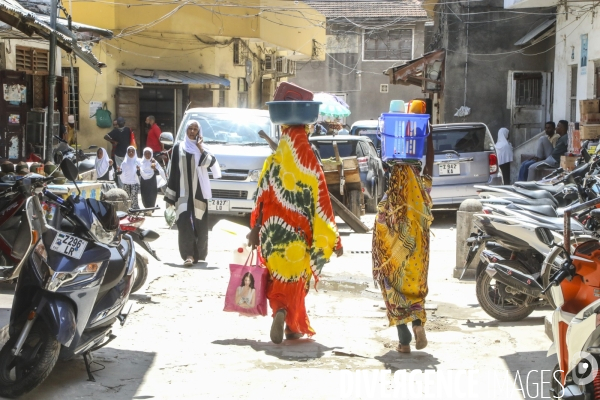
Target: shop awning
x=539, y=33
x=15, y=15
x=161, y=77
x=414, y=72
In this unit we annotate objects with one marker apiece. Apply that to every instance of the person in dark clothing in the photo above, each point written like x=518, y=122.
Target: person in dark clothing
x=149, y=173
x=120, y=137
x=189, y=167
x=561, y=147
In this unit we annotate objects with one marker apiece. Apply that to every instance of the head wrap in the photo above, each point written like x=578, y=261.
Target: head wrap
x=129, y=168
x=102, y=163
x=504, y=149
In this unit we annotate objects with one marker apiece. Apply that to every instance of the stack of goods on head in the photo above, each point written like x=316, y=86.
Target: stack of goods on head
x=403, y=136
x=293, y=105
x=589, y=121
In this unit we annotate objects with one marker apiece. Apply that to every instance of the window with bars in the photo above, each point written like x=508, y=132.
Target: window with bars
x=240, y=52
x=573, y=94
x=222, y=94
x=528, y=89
x=31, y=60
x=387, y=45
x=73, y=91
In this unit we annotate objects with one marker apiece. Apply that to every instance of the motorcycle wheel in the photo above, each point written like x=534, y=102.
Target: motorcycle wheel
x=490, y=296
x=140, y=273
x=19, y=375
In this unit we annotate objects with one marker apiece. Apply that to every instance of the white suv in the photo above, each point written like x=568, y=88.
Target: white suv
x=232, y=136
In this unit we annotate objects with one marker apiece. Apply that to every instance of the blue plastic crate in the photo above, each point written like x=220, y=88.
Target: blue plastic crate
x=403, y=136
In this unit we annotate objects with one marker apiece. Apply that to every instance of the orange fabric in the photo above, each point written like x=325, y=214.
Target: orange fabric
x=290, y=297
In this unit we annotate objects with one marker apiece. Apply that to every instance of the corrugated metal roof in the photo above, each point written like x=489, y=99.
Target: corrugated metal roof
x=370, y=9
x=173, y=77
x=545, y=27
x=77, y=27
x=15, y=15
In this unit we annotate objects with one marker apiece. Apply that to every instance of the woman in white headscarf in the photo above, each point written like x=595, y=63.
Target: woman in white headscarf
x=129, y=170
x=150, y=172
x=103, y=165
x=188, y=190
x=504, y=151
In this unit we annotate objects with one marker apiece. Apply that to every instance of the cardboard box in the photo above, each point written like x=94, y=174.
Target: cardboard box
x=568, y=162
x=589, y=106
x=587, y=132
x=590, y=119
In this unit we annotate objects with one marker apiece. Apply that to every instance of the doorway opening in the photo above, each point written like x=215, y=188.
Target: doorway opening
x=159, y=102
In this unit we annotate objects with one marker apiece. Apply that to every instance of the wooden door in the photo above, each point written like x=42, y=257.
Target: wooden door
x=128, y=107
x=201, y=98
x=13, y=111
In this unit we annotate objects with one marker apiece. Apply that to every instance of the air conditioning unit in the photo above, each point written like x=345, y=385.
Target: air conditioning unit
x=291, y=69
x=281, y=65
x=269, y=62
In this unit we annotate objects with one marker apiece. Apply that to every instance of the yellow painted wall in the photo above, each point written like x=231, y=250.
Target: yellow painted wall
x=190, y=38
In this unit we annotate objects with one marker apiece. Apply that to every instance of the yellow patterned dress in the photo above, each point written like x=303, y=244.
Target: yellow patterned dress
x=401, y=244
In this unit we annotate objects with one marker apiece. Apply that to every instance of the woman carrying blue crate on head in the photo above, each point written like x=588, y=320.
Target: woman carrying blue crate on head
x=401, y=239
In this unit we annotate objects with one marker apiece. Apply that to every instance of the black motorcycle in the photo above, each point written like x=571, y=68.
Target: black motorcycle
x=74, y=282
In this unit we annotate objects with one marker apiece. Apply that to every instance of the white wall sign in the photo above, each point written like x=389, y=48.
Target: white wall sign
x=94, y=106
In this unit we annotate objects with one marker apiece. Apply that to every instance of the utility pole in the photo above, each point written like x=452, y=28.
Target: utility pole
x=51, y=80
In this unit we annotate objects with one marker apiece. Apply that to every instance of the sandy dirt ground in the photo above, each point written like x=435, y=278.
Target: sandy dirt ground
x=179, y=344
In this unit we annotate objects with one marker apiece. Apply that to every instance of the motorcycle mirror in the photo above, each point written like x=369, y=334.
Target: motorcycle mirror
x=166, y=138
x=70, y=171
x=545, y=236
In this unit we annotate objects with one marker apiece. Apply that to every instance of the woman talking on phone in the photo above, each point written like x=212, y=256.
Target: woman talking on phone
x=189, y=190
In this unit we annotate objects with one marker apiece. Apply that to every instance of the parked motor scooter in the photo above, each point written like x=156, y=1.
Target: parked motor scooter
x=84, y=162
x=72, y=287
x=576, y=319
x=131, y=223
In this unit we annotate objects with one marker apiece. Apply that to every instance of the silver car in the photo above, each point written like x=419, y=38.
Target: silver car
x=232, y=136
x=464, y=156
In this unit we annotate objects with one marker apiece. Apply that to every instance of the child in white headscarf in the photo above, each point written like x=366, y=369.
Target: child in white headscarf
x=129, y=176
x=150, y=173
x=504, y=151
x=103, y=165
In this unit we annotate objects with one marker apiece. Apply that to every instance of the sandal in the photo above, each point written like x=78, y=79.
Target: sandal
x=188, y=262
x=277, y=326
x=289, y=335
x=403, y=348
x=420, y=338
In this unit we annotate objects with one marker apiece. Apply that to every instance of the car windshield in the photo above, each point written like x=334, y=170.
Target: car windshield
x=239, y=129
x=345, y=148
x=461, y=140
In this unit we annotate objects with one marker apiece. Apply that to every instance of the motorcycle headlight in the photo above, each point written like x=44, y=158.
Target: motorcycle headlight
x=254, y=175
x=79, y=275
x=39, y=257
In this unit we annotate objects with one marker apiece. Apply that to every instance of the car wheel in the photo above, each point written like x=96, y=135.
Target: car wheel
x=373, y=201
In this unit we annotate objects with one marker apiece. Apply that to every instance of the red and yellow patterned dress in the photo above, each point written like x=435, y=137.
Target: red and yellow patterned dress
x=298, y=232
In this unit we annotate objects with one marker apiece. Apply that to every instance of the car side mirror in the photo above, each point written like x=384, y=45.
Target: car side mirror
x=545, y=236
x=166, y=138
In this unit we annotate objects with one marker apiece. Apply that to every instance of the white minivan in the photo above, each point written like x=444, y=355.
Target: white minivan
x=231, y=134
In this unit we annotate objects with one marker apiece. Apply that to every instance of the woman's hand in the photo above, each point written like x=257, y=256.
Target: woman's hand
x=110, y=162
x=199, y=144
x=253, y=236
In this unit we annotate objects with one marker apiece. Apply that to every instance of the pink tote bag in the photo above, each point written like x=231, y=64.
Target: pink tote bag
x=246, y=293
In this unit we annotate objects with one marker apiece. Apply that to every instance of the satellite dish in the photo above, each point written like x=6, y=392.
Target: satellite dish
x=249, y=71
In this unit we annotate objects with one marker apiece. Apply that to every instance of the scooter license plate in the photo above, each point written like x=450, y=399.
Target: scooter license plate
x=68, y=245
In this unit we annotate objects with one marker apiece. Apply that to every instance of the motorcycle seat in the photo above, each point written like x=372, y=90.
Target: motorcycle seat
x=553, y=223
x=536, y=186
x=542, y=210
x=533, y=202
x=536, y=194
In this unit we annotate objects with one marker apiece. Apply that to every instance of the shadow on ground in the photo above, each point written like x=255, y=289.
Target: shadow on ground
x=119, y=376
x=534, y=373
x=292, y=350
x=416, y=360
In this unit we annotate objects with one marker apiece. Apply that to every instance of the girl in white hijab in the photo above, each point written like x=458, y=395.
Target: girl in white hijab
x=189, y=190
x=504, y=151
x=129, y=176
x=103, y=165
x=150, y=171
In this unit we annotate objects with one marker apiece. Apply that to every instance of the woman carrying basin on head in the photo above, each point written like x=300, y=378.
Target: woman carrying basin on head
x=188, y=190
x=401, y=245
